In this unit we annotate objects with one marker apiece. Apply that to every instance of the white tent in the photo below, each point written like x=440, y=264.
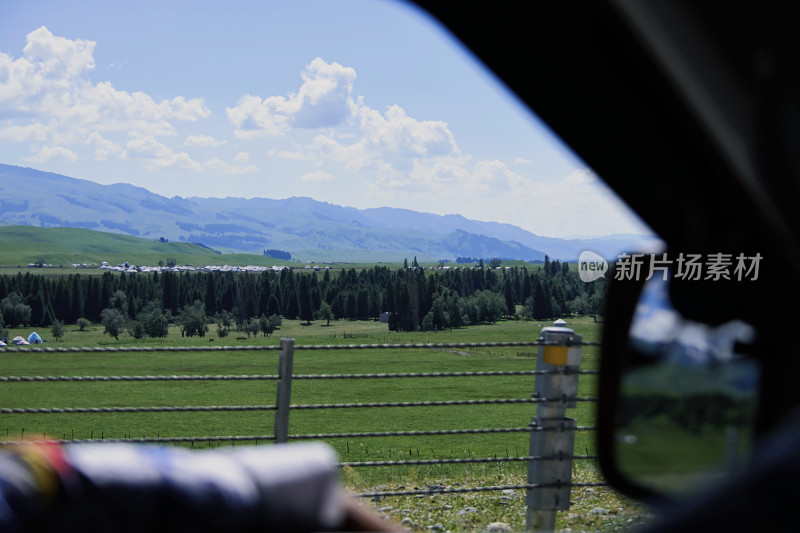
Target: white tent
x=19, y=340
x=3, y=344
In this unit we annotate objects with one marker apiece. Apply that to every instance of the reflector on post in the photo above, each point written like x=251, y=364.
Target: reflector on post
x=555, y=355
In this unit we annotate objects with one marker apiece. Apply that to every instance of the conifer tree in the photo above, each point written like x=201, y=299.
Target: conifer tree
x=273, y=307
x=211, y=294
x=304, y=299
x=509, y=297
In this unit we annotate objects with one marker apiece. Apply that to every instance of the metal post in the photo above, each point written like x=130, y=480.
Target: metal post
x=554, y=439
x=284, y=390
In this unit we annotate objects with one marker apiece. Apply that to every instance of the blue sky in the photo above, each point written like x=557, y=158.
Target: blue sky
x=359, y=103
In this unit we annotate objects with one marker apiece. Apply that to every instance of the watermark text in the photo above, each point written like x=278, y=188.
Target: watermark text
x=691, y=267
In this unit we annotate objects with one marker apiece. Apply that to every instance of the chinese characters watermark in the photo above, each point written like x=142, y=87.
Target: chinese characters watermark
x=691, y=267
x=686, y=266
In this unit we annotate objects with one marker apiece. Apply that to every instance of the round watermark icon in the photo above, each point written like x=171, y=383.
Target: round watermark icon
x=591, y=266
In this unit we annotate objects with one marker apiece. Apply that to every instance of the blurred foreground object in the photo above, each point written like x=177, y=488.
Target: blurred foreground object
x=126, y=487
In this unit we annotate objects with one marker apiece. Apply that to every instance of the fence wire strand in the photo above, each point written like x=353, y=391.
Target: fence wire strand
x=211, y=408
x=153, y=440
x=468, y=460
x=313, y=436
x=491, y=488
x=274, y=377
x=410, y=433
x=173, y=409
x=112, y=349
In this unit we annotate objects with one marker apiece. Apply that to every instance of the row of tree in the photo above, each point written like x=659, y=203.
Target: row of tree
x=692, y=412
x=154, y=321
x=414, y=298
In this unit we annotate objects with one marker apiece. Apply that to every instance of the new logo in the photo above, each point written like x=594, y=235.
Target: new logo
x=591, y=266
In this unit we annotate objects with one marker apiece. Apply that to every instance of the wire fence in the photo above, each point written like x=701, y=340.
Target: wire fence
x=283, y=406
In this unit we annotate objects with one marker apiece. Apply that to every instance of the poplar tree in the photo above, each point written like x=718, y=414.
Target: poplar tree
x=325, y=313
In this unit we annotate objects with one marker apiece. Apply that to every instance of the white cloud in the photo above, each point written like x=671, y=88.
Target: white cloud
x=103, y=147
x=394, y=146
x=157, y=155
x=58, y=57
x=53, y=152
x=254, y=117
x=241, y=157
x=399, y=151
x=50, y=66
x=49, y=81
x=521, y=161
x=323, y=100
x=578, y=204
x=285, y=154
x=447, y=176
x=48, y=88
x=226, y=168
x=495, y=176
x=397, y=133
x=656, y=325
x=354, y=156
x=319, y=175
x=107, y=108
x=31, y=132
x=202, y=141
x=51, y=133
x=426, y=178
x=581, y=178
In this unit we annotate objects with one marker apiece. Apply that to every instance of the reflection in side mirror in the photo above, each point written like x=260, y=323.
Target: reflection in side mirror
x=687, y=399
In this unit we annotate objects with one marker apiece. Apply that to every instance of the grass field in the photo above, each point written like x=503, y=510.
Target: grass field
x=208, y=393
x=60, y=248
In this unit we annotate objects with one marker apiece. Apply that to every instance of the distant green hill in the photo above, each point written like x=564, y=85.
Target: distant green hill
x=308, y=229
x=21, y=245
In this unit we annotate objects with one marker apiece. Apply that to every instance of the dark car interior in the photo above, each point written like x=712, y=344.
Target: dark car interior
x=690, y=112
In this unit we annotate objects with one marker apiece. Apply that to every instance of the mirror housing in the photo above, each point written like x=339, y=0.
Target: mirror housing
x=621, y=299
x=678, y=398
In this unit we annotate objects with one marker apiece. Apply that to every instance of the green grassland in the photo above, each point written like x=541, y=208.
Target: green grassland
x=22, y=245
x=63, y=247
x=302, y=422
x=304, y=391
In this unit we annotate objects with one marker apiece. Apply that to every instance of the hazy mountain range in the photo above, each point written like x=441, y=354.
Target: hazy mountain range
x=306, y=228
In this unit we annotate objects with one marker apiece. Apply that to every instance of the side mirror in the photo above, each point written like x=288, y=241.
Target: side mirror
x=678, y=398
